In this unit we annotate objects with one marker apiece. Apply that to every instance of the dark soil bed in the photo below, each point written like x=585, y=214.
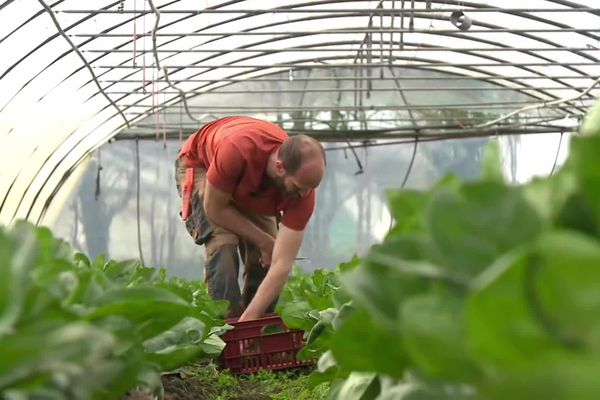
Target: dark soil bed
x=206, y=382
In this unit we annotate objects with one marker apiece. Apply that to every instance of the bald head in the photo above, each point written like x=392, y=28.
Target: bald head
x=299, y=149
x=302, y=161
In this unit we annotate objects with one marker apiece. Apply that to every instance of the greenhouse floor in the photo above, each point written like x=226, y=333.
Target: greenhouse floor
x=207, y=382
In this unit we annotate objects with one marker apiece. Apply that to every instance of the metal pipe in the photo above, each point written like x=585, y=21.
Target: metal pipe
x=369, y=65
x=230, y=108
x=342, y=31
x=352, y=78
x=374, y=89
x=384, y=49
x=366, y=11
x=82, y=58
x=532, y=118
x=340, y=137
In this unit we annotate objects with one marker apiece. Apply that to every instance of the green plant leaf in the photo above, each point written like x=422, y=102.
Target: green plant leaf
x=584, y=158
x=591, y=121
x=503, y=329
x=18, y=256
x=358, y=386
x=327, y=370
x=152, y=309
x=182, y=343
x=471, y=228
x=358, y=355
x=434, y=333
x=391, y=273
x=565, y=286
x=75, y=352
x=492, y=162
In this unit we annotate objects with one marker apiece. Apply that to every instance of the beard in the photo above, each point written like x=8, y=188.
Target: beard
x=279, y=183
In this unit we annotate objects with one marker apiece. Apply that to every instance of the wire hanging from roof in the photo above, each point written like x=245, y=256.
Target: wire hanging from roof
x=557, y=152
x=164, y=69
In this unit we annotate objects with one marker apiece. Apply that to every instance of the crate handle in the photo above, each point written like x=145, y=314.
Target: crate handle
x=273, y=329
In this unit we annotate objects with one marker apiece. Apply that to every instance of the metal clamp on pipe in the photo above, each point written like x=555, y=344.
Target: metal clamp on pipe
x=460, y=20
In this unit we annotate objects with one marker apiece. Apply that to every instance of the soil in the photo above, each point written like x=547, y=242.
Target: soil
x=186, y=389
x=177, y=388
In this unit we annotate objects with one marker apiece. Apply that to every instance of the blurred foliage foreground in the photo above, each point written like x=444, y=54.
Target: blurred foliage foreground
x=481, y=290
x=71, y=328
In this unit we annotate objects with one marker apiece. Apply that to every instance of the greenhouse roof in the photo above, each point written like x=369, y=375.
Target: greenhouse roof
x=75, y=74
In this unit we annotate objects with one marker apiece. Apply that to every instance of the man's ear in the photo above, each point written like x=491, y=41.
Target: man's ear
x=279, y=167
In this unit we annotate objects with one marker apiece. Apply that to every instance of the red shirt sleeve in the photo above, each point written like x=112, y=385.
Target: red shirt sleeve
x=298, y=213
x=227, y=167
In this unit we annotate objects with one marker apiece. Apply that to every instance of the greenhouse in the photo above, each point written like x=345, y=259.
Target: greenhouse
x=437, y=238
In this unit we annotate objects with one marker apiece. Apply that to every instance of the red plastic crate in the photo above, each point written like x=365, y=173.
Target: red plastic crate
x=264, y=343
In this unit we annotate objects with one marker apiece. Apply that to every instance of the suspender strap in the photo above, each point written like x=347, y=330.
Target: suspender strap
x=188, y=190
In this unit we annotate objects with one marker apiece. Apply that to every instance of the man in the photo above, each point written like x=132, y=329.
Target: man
x=238, y=177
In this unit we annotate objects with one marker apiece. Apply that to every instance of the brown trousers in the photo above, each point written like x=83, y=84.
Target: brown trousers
x=221, y=269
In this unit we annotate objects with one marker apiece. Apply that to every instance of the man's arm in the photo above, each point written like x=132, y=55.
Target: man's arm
x=220, y=210
x=285, y=251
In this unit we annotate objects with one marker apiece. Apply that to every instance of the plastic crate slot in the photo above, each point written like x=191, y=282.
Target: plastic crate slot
x=272, y=329
x=250, y=346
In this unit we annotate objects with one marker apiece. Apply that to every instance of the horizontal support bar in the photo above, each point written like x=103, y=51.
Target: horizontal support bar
x=327, y=32
x=478, y=105
x=531, y=119
x=367, y=11
x=344, y=137
x=386, y=50
x=361, y=65
x=354, y=78
x=352, y=90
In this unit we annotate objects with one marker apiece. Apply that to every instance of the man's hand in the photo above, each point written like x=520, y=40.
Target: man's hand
x=285, y=251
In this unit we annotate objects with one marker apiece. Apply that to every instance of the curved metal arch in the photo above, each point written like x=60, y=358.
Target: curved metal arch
x=6, y=3
x=174, y=99
x=572, y=4
x=34, y=16
x=461, y=51
x=336, y=58
x=466, y=51
x=71, y=50
x=362, y=15
x=327, y=2
x=47, y=40
x=311, y=33
x=67, y=52
x=55, y=165
x=61, y=56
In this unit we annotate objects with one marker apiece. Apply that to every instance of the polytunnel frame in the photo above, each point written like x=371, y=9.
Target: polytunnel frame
x=372, y=12
x=299, y=62
x=425, y=61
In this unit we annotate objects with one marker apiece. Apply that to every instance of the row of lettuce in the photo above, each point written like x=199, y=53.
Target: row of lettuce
x=72, y=328
x=482, y=290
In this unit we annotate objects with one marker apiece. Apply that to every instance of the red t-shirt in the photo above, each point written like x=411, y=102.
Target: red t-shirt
x=235, y=152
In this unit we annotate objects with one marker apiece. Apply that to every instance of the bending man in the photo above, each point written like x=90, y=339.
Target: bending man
x=239, y=177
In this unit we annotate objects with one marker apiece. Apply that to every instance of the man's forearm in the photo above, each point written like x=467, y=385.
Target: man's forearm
x=267, y=292
x=231, y=219
x=286, y=249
